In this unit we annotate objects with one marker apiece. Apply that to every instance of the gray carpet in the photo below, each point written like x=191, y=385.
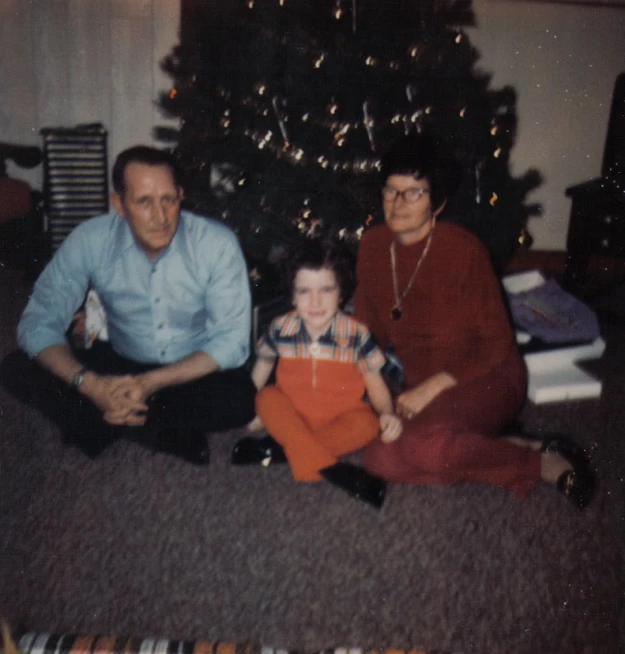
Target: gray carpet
x=137, y=543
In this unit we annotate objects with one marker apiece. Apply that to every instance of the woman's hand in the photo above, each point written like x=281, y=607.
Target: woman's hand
x=391, y=427
x=412, y=402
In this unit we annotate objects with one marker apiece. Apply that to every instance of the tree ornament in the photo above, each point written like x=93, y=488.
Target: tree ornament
x=369, y=123
x=478, y=190
x=278, y=103
x=525, y=239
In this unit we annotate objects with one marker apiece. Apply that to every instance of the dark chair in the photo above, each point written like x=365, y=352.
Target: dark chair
x=21, y=222
x=597, y=221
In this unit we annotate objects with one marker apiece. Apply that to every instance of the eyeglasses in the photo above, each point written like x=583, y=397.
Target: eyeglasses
x=409, y=196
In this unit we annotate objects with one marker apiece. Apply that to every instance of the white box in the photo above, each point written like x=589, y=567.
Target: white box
x=562, y=384
x=564, y=356
x=552, y=374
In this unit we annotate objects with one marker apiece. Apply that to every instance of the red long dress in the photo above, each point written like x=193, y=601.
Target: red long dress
x=454, y=320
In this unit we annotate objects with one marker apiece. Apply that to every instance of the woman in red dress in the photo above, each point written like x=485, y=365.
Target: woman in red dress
x=427, y=290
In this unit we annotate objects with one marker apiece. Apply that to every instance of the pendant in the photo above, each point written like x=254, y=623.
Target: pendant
x=396, y=313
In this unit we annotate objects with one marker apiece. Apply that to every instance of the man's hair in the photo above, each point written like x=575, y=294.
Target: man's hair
x=143, y=154
x=423, y=156
x=317, y=254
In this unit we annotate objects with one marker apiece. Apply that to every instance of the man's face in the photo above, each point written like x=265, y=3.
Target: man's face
x=151, y=206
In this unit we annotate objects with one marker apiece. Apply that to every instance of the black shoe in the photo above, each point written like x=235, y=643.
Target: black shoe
x=579, y=484
x=357, y=482
x=188, y=444
x=251, y=450
x=91, y=446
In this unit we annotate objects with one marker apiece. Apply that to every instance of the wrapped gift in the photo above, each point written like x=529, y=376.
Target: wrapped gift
x=555, y=331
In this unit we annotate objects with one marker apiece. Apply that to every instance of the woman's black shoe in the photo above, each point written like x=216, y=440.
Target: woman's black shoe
x=249, y=451
x=579, y=484
x=357, y=482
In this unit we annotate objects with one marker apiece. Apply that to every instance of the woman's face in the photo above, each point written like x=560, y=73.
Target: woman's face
x=408, y=207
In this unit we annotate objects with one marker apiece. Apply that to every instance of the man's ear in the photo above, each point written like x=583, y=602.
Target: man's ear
x=117, y=204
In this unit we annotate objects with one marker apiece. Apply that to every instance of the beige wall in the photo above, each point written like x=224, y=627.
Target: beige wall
x=64, y=62
x=563, y=60
x=67, y=62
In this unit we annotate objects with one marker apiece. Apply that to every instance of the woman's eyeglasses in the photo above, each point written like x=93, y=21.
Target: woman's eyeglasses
x=409, y=196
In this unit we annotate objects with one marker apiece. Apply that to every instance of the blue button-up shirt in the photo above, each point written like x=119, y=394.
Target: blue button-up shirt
x=194, y=297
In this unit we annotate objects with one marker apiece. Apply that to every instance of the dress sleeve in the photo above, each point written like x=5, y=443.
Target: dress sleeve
x=485, y=315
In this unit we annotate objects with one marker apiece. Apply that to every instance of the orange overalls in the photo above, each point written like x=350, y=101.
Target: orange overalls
x=316, y=410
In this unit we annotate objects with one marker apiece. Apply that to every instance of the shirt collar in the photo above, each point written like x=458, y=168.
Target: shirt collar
x=294, y=325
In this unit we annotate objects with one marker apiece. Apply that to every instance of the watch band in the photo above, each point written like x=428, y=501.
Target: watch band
x=77, y=378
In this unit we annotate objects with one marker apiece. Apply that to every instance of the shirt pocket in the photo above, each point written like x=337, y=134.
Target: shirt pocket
x=187, y=311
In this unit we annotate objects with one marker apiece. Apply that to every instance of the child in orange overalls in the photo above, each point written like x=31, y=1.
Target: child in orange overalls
x=326, y=362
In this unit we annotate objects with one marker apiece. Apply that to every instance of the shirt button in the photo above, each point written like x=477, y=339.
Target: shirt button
x=162, y=353
x=157, y=299
x=161, y=326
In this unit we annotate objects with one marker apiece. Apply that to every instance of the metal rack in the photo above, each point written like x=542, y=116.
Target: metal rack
x=75, y=183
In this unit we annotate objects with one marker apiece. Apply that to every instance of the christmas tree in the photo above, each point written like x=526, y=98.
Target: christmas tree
x=287, y=106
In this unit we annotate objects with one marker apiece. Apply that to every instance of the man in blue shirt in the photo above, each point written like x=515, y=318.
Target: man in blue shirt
x=176, y=293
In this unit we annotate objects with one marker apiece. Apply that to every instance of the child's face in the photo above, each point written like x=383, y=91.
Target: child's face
x=316, y=297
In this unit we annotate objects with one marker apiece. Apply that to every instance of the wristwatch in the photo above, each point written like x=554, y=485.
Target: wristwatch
x=77, y=378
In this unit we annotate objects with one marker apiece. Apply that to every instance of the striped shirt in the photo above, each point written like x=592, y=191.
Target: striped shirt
x=346, y=341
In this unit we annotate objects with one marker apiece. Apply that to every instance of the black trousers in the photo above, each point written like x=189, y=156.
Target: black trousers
x=216, y=402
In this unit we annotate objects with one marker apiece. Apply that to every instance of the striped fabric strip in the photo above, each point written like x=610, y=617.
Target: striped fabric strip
x=32, y=643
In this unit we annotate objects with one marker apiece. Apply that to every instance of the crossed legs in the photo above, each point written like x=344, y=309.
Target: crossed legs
x=309, y=449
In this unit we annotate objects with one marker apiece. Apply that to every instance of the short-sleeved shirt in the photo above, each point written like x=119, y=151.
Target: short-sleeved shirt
x=323, y=378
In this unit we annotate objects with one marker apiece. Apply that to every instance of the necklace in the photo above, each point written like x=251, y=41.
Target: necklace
x=396, y=311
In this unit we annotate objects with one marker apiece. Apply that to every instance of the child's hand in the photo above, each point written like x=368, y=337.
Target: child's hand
x=255, y=425
x=391, y=427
